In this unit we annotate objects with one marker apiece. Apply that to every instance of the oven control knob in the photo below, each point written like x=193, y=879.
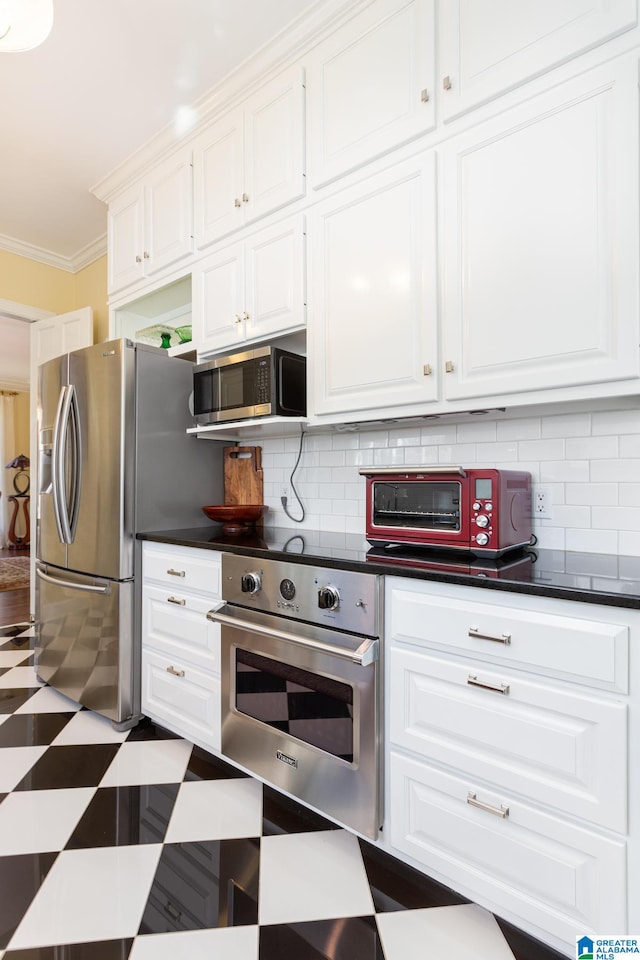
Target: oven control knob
x=482, y=520
x=476, y=506
x=328, y=598
x=251, y=583
x=488, y=506
x=482, y=539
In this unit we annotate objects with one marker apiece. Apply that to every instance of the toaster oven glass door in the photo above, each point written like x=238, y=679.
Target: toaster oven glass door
x=417, y=505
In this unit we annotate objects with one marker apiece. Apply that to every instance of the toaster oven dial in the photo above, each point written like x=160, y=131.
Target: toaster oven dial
x=482, y=539
x=251, y=583
x=482, y=520
x=488, y=507
x=477, y=506
x=328, y=598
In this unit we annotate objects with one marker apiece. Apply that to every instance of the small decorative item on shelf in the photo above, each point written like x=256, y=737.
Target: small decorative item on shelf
x=159, y=335
x=184, y=333
x=166, y=340
x=21, y=483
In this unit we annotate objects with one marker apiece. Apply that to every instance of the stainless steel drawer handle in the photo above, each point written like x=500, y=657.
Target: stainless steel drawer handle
x=503, y=638
x=176, y=573
x=180, y=603
x=500, y=811
x=174, y=672
x=497, y=687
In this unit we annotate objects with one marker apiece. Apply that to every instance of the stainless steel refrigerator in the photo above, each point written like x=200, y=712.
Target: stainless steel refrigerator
x=114, y=459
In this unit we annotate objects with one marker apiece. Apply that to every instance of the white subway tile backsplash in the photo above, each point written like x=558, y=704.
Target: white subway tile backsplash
x=592, y=494
x=591, y=448
x=526, y=429
x=567, y=425
x=615, y=422
x=620, y=471
x=589, y=459
x=592, y=541
x=541, y=449
x=630, y=445
x=569, y=471
x=629, y=494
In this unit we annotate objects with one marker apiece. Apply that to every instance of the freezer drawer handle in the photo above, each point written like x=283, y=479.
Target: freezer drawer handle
x=174, y=672
x=86, y=587
x=500, y=811
x=180, y=603
x=503, y=638
x=498, y=687
x=176, y=573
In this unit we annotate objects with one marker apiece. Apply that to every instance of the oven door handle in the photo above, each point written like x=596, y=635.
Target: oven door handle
x=366, y=653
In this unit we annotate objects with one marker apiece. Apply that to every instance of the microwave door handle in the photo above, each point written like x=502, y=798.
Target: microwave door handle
x=57, y=474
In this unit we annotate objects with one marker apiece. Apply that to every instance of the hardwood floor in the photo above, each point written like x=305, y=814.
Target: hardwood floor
x=14, y=604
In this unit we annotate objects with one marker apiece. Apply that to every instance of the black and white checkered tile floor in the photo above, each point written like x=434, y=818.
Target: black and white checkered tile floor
x=139, y=845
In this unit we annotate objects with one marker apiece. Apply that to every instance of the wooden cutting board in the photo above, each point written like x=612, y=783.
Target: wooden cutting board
x=243, y=482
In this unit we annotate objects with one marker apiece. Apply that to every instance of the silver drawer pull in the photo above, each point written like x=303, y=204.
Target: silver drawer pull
x=180, y=603
x=500, y=811
x=174, y=672
x=498, y=687
x=176, y=573
x=503, y=638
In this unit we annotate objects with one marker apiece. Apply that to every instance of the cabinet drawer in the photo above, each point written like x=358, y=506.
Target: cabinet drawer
x=183, y=569
x=182, y=698
x=177, y=623
x=584, y=650
x=559, y=747
x=539, y=867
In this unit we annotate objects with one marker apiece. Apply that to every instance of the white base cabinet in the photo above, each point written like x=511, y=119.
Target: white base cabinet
x=180, y=647
x=511, y=776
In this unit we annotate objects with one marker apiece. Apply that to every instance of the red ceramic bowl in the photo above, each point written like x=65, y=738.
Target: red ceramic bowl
x=236, y=518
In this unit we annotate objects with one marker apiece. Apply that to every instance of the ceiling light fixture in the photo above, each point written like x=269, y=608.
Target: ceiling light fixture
x=24, y=24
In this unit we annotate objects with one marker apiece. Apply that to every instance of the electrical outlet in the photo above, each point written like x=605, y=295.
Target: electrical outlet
x=541, y=502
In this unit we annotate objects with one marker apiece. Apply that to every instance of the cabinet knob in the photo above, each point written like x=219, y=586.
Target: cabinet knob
x=427, y=370
x=424, y=95
x=245, y=316
x=448, y=366
x=176, y=673
x=446, y=83
x=238, y=318
x=146, y=255
x=245, y=198
x=237, y=202
x=138, y=259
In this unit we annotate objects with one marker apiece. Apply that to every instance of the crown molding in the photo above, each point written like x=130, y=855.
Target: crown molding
x=78, y=261
x=283, y=50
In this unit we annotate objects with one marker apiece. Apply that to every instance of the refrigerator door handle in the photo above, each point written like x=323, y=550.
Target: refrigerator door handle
x=66, y=429
x=57, y=468
x=86, y=587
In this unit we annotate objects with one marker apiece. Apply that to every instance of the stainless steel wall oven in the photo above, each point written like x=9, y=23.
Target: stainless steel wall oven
x=301, y=683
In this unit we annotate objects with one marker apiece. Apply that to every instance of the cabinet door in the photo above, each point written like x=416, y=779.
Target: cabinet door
x=218, y=173
x=168, y=214
x=541, y=241
x=274, y=146
x=372, y=293
x=275, y=279
x=125, y=225
x=218, y=300
x=479, y=62
x=370, y=86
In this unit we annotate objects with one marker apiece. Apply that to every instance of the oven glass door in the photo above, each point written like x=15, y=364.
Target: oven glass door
x=315, y=709
x=428, y=505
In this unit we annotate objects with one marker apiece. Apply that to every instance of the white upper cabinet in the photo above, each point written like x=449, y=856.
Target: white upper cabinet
x=540, y=227
x=370, y=86
x=490, y=47
x=150, y=226
x=251, y=161
x=372, y=296
x=252, y=289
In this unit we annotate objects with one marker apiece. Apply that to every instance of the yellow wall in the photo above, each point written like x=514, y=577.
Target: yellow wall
x=35, y=284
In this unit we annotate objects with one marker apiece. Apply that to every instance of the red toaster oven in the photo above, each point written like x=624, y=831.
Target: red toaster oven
x=484, y=511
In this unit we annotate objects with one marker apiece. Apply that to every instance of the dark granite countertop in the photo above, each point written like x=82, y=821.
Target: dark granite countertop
x=584, y=577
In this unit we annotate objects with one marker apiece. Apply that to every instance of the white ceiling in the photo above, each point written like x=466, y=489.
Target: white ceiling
x=111, y=74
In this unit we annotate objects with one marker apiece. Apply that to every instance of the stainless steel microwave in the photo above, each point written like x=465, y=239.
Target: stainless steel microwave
x=263, y=382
